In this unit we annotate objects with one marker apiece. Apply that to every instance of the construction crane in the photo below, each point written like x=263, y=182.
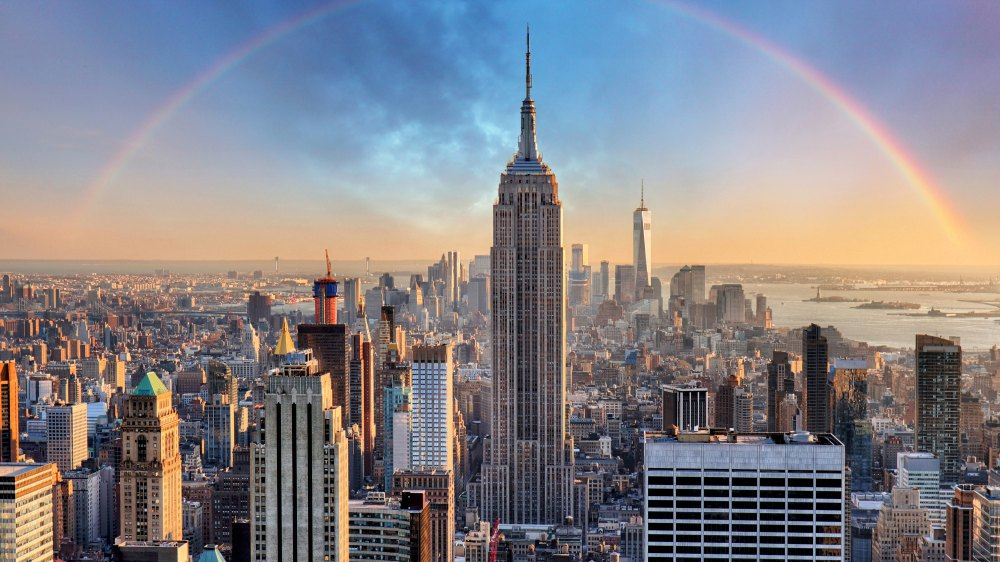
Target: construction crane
x=495, y=540
x=328, y=273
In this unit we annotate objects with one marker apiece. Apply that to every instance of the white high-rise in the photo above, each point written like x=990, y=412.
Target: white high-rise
x=527, y=474
x=642, y=251
x=432, y=432
x=67, y=435
x=743, y=497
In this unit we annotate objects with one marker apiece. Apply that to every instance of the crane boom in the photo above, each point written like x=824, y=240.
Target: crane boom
x=495, y=540
x=327, y=262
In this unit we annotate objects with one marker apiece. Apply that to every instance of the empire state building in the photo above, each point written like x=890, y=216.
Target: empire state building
x=527, y=475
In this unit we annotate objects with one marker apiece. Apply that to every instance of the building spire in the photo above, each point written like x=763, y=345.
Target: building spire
x=642, y=193
x=527, y=64
x=527, y=147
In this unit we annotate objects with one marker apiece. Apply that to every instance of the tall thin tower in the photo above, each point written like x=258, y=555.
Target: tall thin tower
x=641, y=245
x=528, y=470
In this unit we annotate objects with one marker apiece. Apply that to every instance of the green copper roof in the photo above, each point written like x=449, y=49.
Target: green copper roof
x=150, y=385
x=211, y=554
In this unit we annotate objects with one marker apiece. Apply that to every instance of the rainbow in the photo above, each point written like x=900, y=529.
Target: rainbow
x=932, y=195
x=213, y=72
x=918, y=179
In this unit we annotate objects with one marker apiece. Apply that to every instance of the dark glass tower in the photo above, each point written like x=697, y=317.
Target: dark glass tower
x=939, y=384
x=815, y=363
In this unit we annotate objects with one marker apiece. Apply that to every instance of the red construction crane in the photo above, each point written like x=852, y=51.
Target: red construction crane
x=495, y=540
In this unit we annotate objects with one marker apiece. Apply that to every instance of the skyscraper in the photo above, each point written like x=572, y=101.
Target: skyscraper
x=431, y=401
x=328, y=343
x=527, y=475
x=363, y=395
x=816, y=413
x=258, y=308
x=9, y=432
x=67, y=435
x=850, y=419
x=780, y=383
x=298, y=500
x=939, y=384
x=642, y=245
x=151, y=465
x=325, y=297
x=718, y=496
x=26, y=511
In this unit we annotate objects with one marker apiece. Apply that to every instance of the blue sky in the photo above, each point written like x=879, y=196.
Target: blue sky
x=381, y=128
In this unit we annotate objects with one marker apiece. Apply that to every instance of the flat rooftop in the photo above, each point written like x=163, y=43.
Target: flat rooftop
x=722, y=437
x=12, y=469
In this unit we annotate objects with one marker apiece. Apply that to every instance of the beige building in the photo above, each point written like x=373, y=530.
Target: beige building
x=901, y=523
x=150, y=491
x=66, y=428
x=299, y=491
x=26, y=511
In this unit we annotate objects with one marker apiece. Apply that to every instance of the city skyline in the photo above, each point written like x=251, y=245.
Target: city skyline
x=306, y=112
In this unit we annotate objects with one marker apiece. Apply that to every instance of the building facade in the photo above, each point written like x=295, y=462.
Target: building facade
x=527, y=475
x=26, y=511
x=741, y=497
x=299, y=495
x=150, y=469
x=939, y=385
x=66, y=426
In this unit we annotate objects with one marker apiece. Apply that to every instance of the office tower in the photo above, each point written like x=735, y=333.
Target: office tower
x=352, y=299
x=959, y=523
x=580, y=257
x=150, y=468
x=624, y=283
x=605, y=283
x=231, y=497
x=745, y=497
x=328, y=343
x=780, y=383
x=389, y=529
x=300, y=482
x=850, y=418
x=456, y=276
x=479, y=294
x=899, y=517
x=685, y=408
x=67, y=435
x=527, y=475
x=386, y=335
x=742, y=409
x=258, y=308
x=986, y=524
x=439, y=487
x=922, y=472
x=85, y=505
x=760, y=312
x=698, y=284
x=431, y=402
x=816, y=414
x=939, y=384
x=26, y=510
x=219, y=430
x=363, y=395
x=392, y=391
x=730, y=304
x=642, y=239
x=725, y=405
x=9, y=433
x=325, y=297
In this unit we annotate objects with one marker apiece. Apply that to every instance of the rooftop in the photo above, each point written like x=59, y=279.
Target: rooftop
x=724, y=437
x=15, y=469
x=150, y=385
